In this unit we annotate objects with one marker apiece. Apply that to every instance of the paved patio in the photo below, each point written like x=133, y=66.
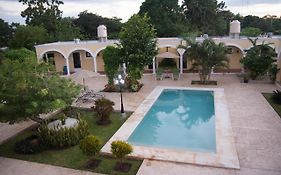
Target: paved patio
x=256, y=126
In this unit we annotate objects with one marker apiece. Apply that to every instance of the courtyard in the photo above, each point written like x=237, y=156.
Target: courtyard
x=256, y=126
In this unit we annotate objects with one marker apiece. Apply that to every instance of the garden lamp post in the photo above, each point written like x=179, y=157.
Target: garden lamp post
x=120, y=81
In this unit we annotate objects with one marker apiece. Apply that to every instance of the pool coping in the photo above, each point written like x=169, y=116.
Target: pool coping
x=225, y=156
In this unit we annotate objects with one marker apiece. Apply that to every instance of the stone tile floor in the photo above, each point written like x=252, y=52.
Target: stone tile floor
x=256, y=126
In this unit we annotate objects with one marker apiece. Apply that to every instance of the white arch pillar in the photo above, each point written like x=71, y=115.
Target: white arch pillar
x=181, y=52
x=154, y=66
x=67, y=66
x=95, y=64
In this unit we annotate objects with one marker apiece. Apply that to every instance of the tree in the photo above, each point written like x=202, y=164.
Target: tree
x=28, y=89
x=103, y=107
x=28, y=36
x=251, y=32
x=120, y=149
x=111, y=58
x=88, y=22
x=206, y=56
x=44, y=13
x=258, y=59
x=66, y=30
x=205, y=15
x=19, y=54
x=137, y=38
x=5, y=33
x=90, y=145
x=166, y=16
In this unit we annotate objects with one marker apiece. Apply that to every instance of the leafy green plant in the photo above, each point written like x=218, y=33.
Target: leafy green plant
x=206, y=56
x=90, y=145
x=120, y=149
x=273, y=71
x=258, y=59
x=103, y=107
x=29, y=89
x=112, y=60
x=138, y=45
x=62, y=137
x=251, y=31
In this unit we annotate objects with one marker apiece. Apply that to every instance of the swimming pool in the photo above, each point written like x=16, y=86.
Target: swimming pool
x=221, y=150
x=180, y=119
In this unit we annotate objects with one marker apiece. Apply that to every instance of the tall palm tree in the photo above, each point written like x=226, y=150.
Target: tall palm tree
x=205, y=56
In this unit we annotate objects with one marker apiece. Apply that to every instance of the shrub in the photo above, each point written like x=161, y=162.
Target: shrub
x=63, y=137
x=29, y=145
x=276, y=97
x=273, y=71
x=120, y=149
x=103, y=107
x=90, y=145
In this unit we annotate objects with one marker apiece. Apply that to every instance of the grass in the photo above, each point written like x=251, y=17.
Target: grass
x=275, y=106
x=72, y=157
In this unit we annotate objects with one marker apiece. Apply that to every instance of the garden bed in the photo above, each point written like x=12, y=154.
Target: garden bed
x=73, y=157
x=275, y=106
x=198, y=82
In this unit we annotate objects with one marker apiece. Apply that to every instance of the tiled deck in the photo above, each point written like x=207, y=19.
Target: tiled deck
x=256, y=126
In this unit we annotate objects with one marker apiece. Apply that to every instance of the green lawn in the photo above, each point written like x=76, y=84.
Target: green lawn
x=72, y=157
x=276, y=107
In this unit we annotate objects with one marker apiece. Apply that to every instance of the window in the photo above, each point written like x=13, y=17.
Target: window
x=88, y=55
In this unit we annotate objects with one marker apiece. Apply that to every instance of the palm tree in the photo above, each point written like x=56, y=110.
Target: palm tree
x=205, y=56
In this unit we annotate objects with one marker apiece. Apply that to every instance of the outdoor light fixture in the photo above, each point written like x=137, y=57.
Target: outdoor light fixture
x=120, y=81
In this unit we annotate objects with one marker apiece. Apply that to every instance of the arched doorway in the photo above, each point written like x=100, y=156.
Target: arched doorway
x=81, y=59
x=54, y=57
x=235, y=54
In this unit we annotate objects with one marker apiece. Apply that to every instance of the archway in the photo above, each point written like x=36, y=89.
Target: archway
x=56, y=58
x=235, y=54
x=81, y=58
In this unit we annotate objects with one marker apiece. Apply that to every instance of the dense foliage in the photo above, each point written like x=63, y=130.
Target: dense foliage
x=166, y=16
x=120, y=149
x=88, y=22
x=103, y=107
x=28, y=36
x=206, y=56
x=111, y=58
x=258, y=59
x=62, y=137
x=5, y=33
x=28, y=89
x=251, y=32
x=44, y=13
x=90, y=145
x=138, y=46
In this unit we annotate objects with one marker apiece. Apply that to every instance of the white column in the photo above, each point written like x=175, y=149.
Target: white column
x=67, y=66
x=181, y=52
x=154, y=66
x=181, y=64
x=95, y=64
x=242, y=65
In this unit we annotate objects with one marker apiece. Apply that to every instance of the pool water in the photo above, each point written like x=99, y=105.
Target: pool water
x=179, y=119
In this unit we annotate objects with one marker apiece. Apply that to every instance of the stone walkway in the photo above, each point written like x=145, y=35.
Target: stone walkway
x=256, y=126
x=18, y=167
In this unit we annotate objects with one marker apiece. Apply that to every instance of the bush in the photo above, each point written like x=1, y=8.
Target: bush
x=90, y=145
x=29, y=145
x=103, y=107
x=273, y=71
x=63, y=137
x=276, y=97
x=120, y=149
